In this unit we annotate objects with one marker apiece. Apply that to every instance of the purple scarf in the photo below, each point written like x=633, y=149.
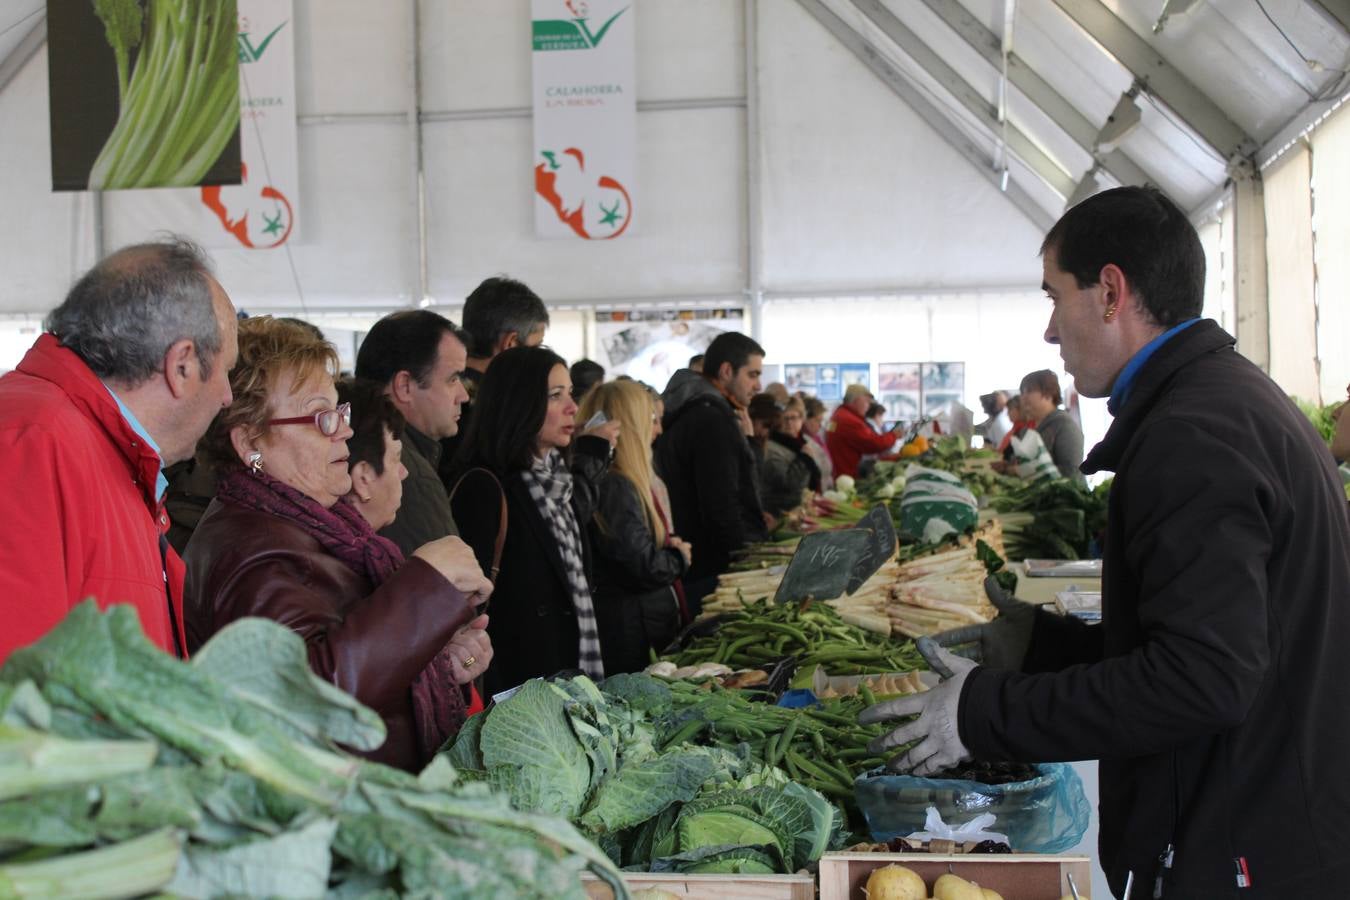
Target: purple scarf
x=438, y=702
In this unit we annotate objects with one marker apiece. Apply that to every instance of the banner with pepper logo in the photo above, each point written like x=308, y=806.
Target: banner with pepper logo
x=585, y=117
x=261, y=211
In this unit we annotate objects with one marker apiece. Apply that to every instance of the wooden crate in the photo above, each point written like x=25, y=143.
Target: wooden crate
x=1016, y=876
x=711, y=887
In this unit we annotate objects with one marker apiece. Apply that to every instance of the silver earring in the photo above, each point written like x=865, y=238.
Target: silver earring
x=255, y=462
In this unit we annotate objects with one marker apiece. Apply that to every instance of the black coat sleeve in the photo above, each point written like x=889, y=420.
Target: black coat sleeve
x=625, y=548
x=1198, y=535
x=716, y=448
x=590, y=468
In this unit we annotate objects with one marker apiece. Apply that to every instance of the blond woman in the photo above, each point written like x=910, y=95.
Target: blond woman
x=638, y=562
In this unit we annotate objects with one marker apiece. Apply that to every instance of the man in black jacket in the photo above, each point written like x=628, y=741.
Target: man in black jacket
x=705, y=460
x=1215, y=691
x=418, y=356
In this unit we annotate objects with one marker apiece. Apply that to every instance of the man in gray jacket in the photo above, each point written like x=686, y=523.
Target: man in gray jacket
x=419, y=357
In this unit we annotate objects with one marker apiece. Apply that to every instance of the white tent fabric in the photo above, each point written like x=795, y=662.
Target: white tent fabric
x=1331, y=219
x=1289, y=260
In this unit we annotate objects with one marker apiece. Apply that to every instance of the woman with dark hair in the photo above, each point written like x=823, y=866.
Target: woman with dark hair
x=524, y=510
x=1060, y=433
x=784, y=470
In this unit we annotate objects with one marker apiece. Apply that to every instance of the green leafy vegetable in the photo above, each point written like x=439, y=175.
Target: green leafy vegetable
x=531, y=753
x=122, y=23
x=220, y=778
x=180, y=104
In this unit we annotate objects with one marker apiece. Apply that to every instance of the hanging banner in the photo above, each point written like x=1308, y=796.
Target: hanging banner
x=650, y=345
x=261, y=210
x=585, y=117
x=142, y=96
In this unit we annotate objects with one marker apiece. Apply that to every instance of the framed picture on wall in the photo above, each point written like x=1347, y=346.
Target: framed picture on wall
x=896, y=377
x=944, y=377
x=828, y=386
x=799, y=377
x=856, y=373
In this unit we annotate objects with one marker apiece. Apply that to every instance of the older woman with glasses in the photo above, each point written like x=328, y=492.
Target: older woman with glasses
x=282, y=540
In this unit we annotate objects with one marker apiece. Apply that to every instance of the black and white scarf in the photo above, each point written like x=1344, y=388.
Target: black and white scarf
x=550, y=485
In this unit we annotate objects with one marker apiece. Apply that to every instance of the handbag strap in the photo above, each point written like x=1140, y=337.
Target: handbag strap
x=500, y=540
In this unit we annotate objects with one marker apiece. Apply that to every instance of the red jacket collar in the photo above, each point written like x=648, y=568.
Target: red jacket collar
x=49, y=361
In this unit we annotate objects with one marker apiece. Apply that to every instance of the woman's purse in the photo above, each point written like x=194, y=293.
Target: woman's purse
x=500, y=540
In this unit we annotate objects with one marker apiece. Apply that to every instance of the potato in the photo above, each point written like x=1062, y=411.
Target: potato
x=954, y=887
x=895, y=883
x=991, y=895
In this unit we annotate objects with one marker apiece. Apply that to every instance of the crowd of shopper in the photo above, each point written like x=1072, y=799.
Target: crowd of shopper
x=379, y=517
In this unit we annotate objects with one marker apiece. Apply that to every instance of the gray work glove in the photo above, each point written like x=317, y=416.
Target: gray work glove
x=939, y=739
x=1002, y=643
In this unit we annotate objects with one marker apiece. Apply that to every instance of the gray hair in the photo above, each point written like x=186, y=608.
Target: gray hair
x=122, y=316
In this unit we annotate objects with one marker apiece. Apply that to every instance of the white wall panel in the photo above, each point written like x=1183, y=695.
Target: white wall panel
x=360, y=240
x=45, y=238
x=1331, y=219
x=688, y=231
x=351, y=56
x=1291, y=275
x=858, y=191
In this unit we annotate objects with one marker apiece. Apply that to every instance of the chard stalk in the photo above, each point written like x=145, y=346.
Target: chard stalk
x=128, y=869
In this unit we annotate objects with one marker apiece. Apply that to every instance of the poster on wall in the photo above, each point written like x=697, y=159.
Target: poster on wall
x=261, y=211
x=650, y=345
x=134, y=103
x=585, y=117
x=855, y=373
x=899, y=389
x=826, y=381
x=944, y=383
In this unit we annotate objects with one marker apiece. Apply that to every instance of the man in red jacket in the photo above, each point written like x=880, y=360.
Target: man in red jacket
x=133, y=369
x=848, y=437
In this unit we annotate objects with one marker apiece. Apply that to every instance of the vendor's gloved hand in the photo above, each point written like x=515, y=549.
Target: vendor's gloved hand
x=1002, y=643
x=939, y=740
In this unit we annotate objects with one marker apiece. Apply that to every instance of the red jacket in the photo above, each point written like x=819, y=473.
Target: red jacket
x=848, y=437
x=77, y=504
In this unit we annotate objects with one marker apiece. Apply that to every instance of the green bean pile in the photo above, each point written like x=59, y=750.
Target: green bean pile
x=822, y=747
x=763, y=633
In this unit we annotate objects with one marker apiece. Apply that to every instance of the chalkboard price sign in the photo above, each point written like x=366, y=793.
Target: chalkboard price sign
x=822, y=565
x=881, y=545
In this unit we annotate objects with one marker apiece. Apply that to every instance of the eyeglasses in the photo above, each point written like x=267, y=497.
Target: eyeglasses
x=328, y=421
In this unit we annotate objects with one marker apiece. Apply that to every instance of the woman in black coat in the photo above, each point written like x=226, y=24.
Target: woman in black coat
x=638, y=562
x=542, y=615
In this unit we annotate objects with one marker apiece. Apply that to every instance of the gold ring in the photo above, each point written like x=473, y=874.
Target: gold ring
x=469, y=661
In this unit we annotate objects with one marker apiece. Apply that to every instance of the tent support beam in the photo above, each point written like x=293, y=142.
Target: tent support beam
x=926, y=110
x=1047, y=169
x=1250, y=287
x=1037, y=90
x=23, y=51
x=1160, y=78
x=422, y=290
x=754, y=236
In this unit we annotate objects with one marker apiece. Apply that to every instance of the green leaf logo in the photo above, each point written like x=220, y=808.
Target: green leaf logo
x=249, y=53
x=570, y=34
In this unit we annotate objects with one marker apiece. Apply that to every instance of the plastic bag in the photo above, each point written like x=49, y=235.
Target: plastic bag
x=1049, y=814
x=975, y=830
x=935, y=503
x=1034, y=461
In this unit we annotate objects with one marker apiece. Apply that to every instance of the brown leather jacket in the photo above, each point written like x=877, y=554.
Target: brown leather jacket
x=370, y=641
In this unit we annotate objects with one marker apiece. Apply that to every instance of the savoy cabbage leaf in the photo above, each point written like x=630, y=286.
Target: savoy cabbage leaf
x=531, y=753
